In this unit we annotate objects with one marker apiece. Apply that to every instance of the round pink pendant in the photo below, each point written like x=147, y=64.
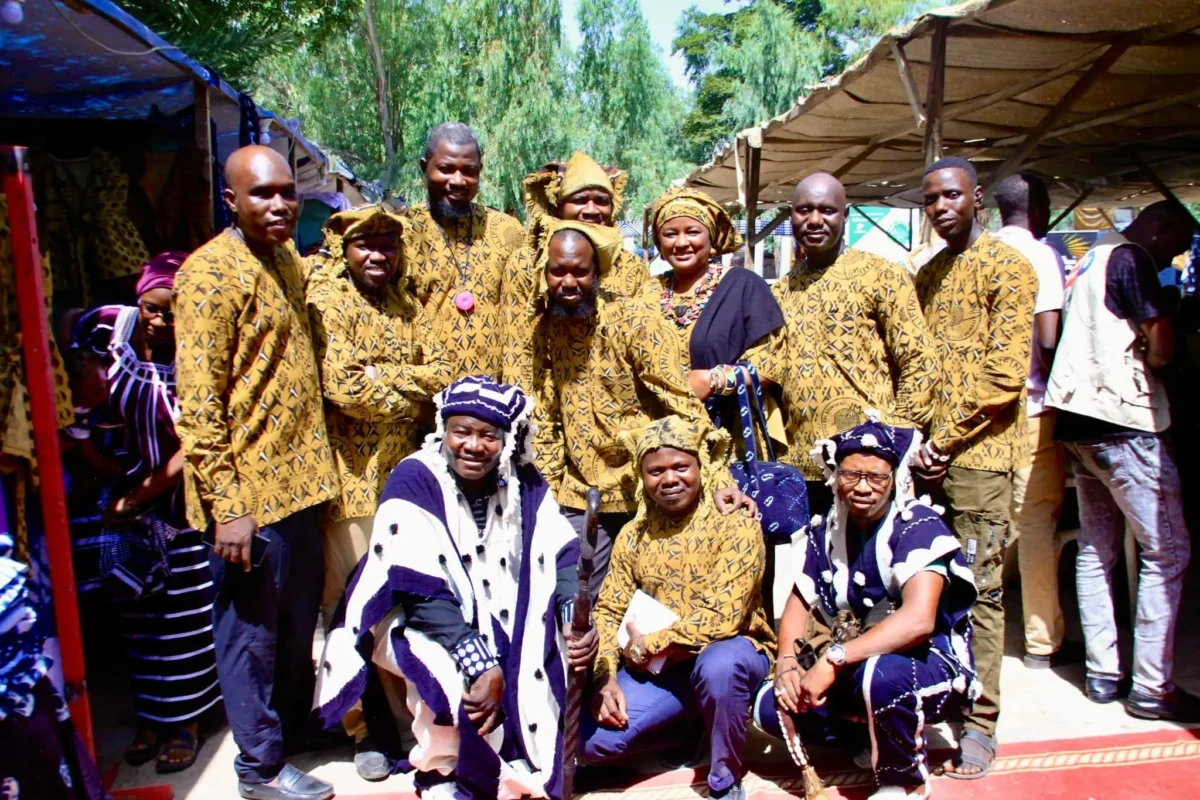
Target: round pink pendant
x=464, y=302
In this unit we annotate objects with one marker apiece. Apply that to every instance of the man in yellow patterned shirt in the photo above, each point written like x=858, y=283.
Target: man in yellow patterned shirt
x=603, y=367
x=581, y=190
x=257, y=463
x=379, y=370
x=853, y=335
x=701, y=672
x=456, y=251
x=977, y=295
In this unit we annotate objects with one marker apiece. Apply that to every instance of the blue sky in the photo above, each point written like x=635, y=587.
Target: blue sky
x=661, y=16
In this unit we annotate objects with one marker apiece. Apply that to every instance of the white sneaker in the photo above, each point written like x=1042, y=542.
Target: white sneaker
x=440, y=791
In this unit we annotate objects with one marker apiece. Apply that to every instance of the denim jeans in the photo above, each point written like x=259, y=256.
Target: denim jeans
x=1130, y=480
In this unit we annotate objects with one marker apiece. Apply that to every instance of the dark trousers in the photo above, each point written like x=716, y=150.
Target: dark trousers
x=710, y=694
x=606, y=533
x=263, y=625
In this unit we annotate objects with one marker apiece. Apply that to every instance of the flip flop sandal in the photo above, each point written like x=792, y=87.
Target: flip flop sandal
x=180, y=740
x=986, y=743
x=144, y=748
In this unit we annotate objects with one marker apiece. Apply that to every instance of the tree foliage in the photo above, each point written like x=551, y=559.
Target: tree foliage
x=234, y=36
x=753, y=63
x=503, y=67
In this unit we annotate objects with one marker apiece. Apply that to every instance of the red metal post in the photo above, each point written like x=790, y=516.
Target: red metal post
x=39, y=379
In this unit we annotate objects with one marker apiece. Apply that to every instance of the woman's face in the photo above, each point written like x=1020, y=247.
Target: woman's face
x=157, y=319
x=686, y=244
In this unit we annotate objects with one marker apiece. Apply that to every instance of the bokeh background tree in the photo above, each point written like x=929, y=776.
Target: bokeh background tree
x=368, y=78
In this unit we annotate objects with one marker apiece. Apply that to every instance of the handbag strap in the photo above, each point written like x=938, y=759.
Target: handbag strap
x=753, y=414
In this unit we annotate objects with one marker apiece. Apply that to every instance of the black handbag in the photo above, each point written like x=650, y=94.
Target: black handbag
x=778, y=489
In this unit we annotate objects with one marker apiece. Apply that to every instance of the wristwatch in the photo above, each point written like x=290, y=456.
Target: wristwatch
x=836, y=655
x=636, y=654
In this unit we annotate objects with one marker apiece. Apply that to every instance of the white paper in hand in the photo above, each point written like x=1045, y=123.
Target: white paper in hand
x=648, y=616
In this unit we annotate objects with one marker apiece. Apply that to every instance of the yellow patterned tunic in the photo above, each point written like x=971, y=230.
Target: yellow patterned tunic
x=372, y=421
x=435, y=263
x=706, y=567
x=616, y=371
x=628, y=278
x=853, y=338
x=979, y=306
x=251, y=426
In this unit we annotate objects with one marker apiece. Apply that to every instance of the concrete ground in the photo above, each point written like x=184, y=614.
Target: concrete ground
x=1038, y=705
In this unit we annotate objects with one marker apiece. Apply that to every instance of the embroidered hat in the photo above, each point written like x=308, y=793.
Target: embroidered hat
x=481, y=398
x=897, y=446
x=545, y=189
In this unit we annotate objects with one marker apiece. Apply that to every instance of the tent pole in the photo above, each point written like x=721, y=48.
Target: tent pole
x=204, y=144
x=1046, y=124
x=933, y=105
x=884, y=230
x=39, y=379
x=754, y=159
x=1162, y=188
x=1084, y=195
x=770, y=227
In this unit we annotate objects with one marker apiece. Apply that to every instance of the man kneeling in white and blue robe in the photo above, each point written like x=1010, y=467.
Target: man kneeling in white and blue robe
x=887, y=577
x=465, y=592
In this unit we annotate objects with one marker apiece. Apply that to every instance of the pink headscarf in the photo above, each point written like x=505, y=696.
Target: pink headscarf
x=159, y=272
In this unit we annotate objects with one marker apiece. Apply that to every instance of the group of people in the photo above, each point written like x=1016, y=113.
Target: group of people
x=399, y=434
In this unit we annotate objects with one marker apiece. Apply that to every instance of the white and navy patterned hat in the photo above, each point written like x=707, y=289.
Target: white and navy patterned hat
x=476, y=396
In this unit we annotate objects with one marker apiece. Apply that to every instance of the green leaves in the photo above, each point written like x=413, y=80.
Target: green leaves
x=753, y=63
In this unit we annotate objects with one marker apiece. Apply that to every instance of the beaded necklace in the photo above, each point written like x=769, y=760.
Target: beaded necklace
x=690, y=309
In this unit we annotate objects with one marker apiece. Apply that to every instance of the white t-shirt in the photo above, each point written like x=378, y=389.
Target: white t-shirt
x=1049, y=268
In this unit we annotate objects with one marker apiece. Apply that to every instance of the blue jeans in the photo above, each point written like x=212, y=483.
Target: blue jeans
x=1130, y=480
x=714, y=689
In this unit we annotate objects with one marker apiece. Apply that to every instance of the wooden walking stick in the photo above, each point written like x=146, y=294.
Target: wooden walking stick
x=581, y=623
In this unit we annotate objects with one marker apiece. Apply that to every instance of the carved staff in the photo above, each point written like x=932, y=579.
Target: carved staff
x=814, y=789
x=581, y=623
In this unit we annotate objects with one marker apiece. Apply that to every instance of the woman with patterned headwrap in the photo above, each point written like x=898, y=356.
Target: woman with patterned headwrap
x=706, y=568
x=720, y=313
x=144, y=554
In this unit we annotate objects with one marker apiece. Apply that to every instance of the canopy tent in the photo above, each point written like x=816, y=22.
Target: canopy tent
x=1101, y=98
x=72, y=69
x=89, y=59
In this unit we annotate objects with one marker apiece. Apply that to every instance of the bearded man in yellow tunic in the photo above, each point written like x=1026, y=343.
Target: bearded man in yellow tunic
x=604, y=366
x=579, y=190
x=456, y=252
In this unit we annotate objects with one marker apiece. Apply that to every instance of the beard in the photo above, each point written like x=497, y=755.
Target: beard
x=585, y=309
x=453, y=211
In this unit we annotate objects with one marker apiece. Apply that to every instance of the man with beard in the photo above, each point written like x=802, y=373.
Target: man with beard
x=853, y=336
x=605, y=365
x=456, y=253
x=257, y=463
x=580, y=190
x=977, y=294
